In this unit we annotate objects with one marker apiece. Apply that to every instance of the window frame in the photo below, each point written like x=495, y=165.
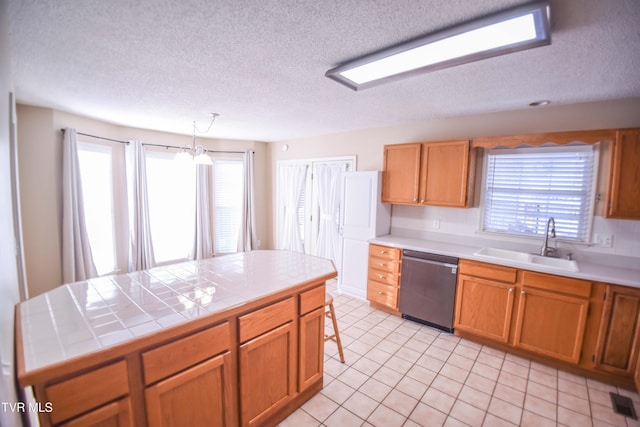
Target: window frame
x=591, y=210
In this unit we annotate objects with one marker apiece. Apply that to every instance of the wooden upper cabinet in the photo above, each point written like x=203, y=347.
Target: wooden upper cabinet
x=428, y=173
x=444, y=175
x=401, y=173
x=624, y=181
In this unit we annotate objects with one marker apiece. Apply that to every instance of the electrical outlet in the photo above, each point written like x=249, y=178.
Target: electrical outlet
x=605, y=240
x=436, y=224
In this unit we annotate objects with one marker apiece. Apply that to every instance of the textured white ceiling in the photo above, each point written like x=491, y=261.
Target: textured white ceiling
x=160, y=64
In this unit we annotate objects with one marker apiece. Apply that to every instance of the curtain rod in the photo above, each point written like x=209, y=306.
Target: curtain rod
x=155, y=145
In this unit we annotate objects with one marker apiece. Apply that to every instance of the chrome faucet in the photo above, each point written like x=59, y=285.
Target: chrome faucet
x=546, y=250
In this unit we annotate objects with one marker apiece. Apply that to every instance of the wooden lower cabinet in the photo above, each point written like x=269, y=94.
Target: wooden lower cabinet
x=267, y=374
x=484, y=307
x=383, y=278
x=311, y=342
x=199, y=396
x=252, y=368
x=551, y=324
x=116, y=414
x=619, y=335
x=540, y=313
x=88, y=396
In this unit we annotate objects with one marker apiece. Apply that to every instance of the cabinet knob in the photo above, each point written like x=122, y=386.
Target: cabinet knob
x=415, y=199
x=510, y=290
x=382, y=264
x=422, y=201
x=382, y=252
x=380, y=293
x=523, y=293
x=381, y=276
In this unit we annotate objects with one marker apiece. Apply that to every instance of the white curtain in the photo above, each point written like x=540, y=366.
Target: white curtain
x=77, y=261
x=247, y=235
x=327, y=187
x=292, y=181
x=141, y=248
x=203, y=243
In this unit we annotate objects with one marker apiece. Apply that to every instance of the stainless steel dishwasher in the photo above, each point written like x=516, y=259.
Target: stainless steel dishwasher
x=428, y=288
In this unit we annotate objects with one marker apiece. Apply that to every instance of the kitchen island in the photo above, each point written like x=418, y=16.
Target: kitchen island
x=231, y=340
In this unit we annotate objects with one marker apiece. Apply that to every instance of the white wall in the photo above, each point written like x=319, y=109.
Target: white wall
x=368, y=146
x=8, y=264
x=40, y=159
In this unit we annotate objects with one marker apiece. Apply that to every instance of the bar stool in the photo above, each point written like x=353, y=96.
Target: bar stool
x=331, y=314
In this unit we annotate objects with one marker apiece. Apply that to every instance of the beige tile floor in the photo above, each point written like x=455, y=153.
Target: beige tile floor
x=401, y=373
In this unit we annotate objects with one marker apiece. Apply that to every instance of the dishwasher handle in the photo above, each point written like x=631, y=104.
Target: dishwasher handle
x=424, y=256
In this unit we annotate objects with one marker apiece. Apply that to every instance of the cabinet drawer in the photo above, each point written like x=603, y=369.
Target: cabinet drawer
x=87, y=391
x=385, y=252
x=487, y=271
x=178, y=355
x=382, y=294
x=549, y=282
x=384, y=277
x=312, y=299
x=383, y=264
x=265, y=319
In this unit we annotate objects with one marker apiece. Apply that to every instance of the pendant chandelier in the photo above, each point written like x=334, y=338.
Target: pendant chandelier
x=197, y=153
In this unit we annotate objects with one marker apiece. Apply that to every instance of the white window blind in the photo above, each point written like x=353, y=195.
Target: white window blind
x=524, y=187
x=227, y=195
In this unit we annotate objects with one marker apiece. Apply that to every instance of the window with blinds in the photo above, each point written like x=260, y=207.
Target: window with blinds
x=526, y=186
x=227, y=199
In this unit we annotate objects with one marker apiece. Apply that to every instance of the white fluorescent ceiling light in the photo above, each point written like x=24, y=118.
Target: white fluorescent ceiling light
x=520, y=28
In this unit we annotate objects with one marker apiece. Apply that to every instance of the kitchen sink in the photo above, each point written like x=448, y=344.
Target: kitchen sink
x=504, y=254
x=527, y=258
x=564, y=264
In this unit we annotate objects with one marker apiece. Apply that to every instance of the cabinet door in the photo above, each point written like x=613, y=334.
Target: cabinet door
x=116, y=414
x=200, y=396
x=484, y=307
x=267, y=374
x=401, y=173
x=311, y=344
x=551, y=324
x=445, y=173
x=616, y=349
x=624, y=188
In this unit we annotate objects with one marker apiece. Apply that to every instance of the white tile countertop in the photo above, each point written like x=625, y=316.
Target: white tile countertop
x=602, y=271
x=83, y=317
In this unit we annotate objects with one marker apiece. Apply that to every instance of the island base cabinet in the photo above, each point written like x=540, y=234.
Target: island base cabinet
x=267, y=374
x=116, y=414
x=551, y=324
x=311, y=349
x=199, y=396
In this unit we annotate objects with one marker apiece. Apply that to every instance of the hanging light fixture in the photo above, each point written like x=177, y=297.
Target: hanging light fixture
x=197, y=153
